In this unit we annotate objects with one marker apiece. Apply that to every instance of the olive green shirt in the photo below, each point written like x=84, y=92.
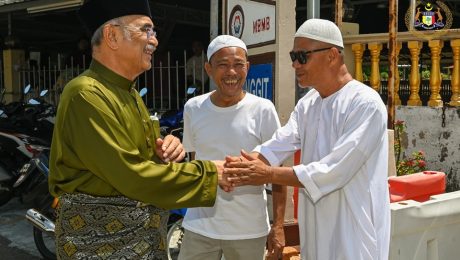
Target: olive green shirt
x=104, y=145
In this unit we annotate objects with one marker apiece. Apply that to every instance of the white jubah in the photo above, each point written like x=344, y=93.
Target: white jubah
x=344, y=209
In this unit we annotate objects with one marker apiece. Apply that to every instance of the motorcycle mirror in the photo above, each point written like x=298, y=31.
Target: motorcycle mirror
x=142, y=92
x=34, y=102
x=190, y=90
x=27, y=89
x=43, y=93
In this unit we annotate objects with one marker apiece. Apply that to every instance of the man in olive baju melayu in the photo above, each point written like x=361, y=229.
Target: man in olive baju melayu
x=114, y=177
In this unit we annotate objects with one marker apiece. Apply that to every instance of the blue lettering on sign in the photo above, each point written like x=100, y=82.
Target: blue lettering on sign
x=260, y=80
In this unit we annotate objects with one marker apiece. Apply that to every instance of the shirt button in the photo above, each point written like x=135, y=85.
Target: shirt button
x=148, y=140
x=143, y=120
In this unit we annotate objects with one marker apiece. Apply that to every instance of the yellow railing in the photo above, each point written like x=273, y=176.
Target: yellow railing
x=374, y=43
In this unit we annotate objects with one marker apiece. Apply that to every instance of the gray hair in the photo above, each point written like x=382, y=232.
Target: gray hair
x=98, y=34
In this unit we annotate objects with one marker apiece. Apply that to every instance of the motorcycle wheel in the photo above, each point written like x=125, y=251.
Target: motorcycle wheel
x=44, y=241
x=45, y=244
x=6, y=193
x=174, y=239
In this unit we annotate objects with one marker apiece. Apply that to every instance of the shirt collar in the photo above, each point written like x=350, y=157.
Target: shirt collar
x=110, y=76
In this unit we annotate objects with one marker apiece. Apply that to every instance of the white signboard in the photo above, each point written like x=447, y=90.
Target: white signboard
x=254, y=22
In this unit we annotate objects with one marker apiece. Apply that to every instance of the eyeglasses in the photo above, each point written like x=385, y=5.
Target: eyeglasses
x=301, y=56
x=149, y=31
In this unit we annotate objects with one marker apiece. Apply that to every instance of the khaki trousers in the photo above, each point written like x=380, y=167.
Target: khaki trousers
x=198, y=247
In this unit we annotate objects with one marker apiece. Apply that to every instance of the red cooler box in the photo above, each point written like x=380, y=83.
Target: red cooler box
x=418, y=186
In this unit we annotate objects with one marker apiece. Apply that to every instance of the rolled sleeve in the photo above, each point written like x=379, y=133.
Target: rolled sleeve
x=268, y=154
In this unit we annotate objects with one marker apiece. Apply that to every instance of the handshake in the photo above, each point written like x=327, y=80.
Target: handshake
x=246, y=169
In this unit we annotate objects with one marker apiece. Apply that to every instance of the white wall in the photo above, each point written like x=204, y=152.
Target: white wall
x=441, y=145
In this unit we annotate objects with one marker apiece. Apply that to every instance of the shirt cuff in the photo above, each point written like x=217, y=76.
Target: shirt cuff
x=310, y=187
x=210, y=184
x=268, y=154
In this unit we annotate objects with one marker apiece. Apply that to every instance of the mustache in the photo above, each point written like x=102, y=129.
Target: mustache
x=150, y=47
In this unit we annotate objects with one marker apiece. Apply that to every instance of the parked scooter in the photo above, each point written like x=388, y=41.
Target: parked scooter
x=175, y=232
x=42, y=216
x=16, y=151
x=14, y=107
x=40, y=117
x=25, y=130
x=34, y=117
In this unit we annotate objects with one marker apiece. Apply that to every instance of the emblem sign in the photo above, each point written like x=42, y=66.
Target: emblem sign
x=432, y=17
x=236, y=25
x=429, y=16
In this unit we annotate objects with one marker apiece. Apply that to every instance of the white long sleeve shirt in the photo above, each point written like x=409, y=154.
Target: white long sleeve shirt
x=344, y=209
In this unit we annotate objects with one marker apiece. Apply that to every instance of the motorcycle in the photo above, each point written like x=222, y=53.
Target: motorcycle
x=43, y=228
x=25, y=130
x=14, y=107
x=42, y=216
x=16, y=151
x=175, y=232
x=34, y=118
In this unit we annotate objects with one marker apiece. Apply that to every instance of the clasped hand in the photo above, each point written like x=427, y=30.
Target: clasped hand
x=170, y=149
x=233, y=172
x=246, y=170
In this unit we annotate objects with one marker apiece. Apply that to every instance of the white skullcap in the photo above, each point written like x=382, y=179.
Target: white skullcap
x=321, y=30
x=223, y=41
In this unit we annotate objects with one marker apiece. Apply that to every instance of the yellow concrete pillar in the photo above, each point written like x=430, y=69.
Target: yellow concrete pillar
x=414, y=78
x=375, y=49
x=358, y=50
x=435, y=74
x=13, y=60
x=455, y=79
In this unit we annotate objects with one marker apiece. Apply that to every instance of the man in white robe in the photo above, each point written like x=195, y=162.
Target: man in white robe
x=340, y=126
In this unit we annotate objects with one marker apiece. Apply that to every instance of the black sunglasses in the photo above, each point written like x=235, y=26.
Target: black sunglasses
x=301, y=56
